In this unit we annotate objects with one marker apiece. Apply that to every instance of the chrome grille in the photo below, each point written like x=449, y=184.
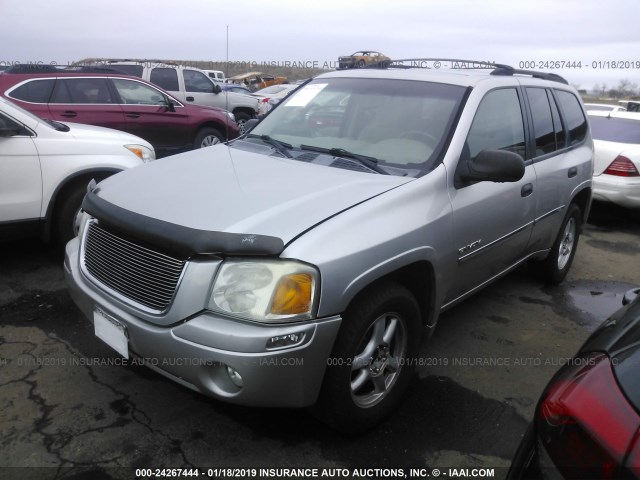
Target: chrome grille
x=138, y=273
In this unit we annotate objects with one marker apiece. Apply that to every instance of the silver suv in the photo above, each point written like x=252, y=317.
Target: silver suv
x=300, y=264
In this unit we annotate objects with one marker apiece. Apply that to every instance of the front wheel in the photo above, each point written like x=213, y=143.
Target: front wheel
x=555, y=267
x=241, y=119
x=207, y=137
x=372, y=359
x=66, y=218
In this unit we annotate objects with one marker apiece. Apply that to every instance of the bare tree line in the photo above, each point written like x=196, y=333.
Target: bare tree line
x=626, y=89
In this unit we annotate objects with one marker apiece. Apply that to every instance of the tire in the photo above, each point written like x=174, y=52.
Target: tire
x=369, y=369
x=241, y=119
x=361, y=64
x=207, y=137
x=65, y=217
x=555, y=267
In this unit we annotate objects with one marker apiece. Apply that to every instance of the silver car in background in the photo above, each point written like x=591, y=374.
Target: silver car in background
x=300, y=265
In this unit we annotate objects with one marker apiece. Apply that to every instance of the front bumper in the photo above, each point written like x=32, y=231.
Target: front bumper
x=623, y=191
x=196, y=351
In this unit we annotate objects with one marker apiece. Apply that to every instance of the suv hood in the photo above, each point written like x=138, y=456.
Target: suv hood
x=84, y=139
x=230, y=191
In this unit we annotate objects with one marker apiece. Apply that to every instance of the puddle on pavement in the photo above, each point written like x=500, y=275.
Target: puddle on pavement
x=596, y=300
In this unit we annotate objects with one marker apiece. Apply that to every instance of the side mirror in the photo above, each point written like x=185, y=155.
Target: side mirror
x=170, y=105
x=217, y=89
x=630, y=296
x=492, y=166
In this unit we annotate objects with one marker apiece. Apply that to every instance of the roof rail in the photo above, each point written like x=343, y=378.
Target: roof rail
x=32, y=68
x=93, y=69
x=117, y=60
x=507, y=70
x=460, y=64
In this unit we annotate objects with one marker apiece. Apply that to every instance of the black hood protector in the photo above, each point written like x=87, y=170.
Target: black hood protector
x=184, y=242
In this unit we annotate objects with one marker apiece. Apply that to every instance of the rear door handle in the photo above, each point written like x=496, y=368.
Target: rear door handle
x=69, y=114
x=573, y=171
x=132, y=115
x=526, y=190
x=190, y=99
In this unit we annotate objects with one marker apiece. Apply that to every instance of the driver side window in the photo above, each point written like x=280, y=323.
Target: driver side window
x=132, y=92
x=197, y=82
x=497, y=124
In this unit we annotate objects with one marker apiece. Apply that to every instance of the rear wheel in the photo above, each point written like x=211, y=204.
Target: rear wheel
x=370, y=366
x=555, y=267
x=207, y=137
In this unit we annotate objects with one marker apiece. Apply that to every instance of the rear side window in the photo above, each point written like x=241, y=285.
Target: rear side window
x=134, y=70
x=497, y=124
x=83, y=91
x=35, y=91
x=610, y=129
x=166, y=78
x=561, y=134
x=574, y=117
x=542, y=121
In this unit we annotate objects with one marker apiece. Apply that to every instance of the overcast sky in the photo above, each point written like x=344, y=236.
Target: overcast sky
x=586, y=31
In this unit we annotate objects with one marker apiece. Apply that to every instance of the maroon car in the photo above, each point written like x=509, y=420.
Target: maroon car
x=117, y=101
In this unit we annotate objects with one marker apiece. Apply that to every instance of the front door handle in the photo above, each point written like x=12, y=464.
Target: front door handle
x=526, y=190
x=573, y=171
x=132, y=115
x=190, y=99
x=69, y=114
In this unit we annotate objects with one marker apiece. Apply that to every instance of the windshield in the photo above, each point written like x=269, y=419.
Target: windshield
x=401, y=124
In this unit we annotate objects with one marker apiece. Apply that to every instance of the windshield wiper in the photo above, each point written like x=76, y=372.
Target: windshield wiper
x=281, y=147
x=369, y=162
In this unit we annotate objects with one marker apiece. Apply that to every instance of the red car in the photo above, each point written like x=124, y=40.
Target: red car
x=117, y=101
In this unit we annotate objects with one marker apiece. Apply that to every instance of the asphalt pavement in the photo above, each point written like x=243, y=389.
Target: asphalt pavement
x=71, y=408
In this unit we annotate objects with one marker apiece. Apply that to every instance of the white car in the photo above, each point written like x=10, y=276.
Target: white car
x=604, y=107
x=270, y=96
x=45, y=167
x=616, y=175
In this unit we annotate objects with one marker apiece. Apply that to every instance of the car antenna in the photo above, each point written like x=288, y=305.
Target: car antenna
x=226, y=97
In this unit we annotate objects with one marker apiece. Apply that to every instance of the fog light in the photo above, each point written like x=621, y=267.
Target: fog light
x=288, y=340
x=235, y=377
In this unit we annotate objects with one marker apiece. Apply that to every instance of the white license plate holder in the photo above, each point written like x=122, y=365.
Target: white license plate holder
x=111, y=332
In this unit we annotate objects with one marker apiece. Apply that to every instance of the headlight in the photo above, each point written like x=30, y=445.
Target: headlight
x=231, y=116
x=271, y=291
x=145, y=154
